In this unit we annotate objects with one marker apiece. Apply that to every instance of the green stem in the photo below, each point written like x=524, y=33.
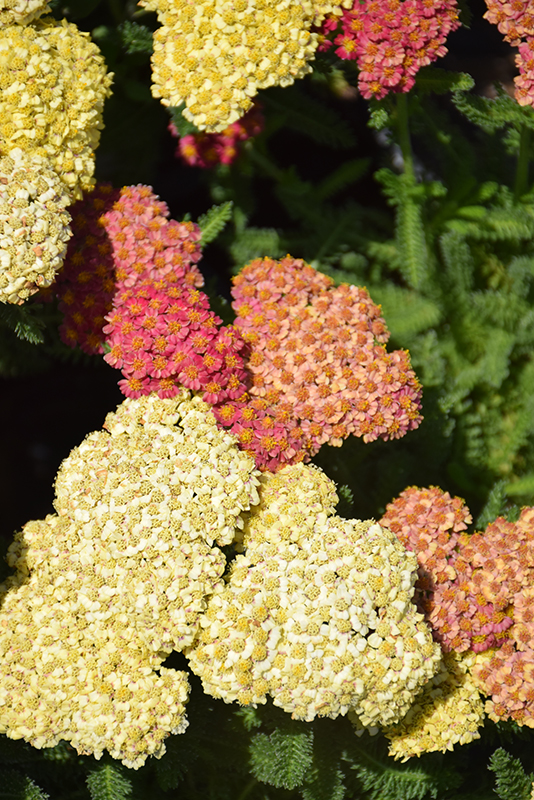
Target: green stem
x=403, y=131
x=521, y=172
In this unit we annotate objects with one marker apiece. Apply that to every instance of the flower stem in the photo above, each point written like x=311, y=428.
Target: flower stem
x=403, y=131
x=521, y=171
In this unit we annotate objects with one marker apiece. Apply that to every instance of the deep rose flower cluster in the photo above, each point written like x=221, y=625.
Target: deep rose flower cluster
x=320, y=371
x=209, y=149
x=120, y=236
x=392, y=39
x=164, y=337
x=516, y=22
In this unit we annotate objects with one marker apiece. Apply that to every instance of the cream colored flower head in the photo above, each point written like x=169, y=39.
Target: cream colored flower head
x=214, y=55
x=53, y=83
x=448, y=711
x=317, y=613
x=20, y=12
x=34, y=225
x=106, y=589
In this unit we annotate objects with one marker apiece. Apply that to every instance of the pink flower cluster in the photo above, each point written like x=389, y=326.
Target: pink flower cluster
x=320, y=371
x=119, y=236
x=209, y=149
x=515, y=20
x=157, y=327
x=164, y=336
x=391, y=40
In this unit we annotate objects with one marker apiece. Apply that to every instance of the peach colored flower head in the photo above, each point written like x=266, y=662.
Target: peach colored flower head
x=318, y=364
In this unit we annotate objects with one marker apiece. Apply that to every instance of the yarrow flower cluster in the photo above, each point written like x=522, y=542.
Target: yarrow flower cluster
x=117, y=580
x=53, y=84
x=209, y=149
x=465, y=597
x=317, y=613
x=34, y=225
x=20, y=12
x=120, y=237
x=516, y=22
x=215, y=55
x=391, y=40
x=475, y=592
x=163, y=337
x=449, y=710
x=320, y=371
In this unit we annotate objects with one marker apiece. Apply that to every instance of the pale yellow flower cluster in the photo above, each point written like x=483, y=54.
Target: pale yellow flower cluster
x=53, y=83
x=448, y=711
x=317, y=613
x=106, y=589
x=20, y=12
x=34, y=225
x=214, y=55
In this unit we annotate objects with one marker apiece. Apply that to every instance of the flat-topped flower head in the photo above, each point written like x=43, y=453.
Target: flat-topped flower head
x=120, y=237
x=391, y=40
x=320, y=371
x=317, y=613
x=21, y=12
x=34, y=225
x=215, y=55
x=163, y=336
x=54, y=84
x=448, y=711
x=106, y=589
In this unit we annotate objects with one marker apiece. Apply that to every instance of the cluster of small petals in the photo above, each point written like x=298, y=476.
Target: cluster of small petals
x=391, y=40
x=448, y=711
x=20, y=12
x=163, y=336
x=316, y=614
x=506, y=676
x=320, y=371
x=215, y=55
x=515, y=20
x=473, y=589
x=112, y=584
x=120, y=237
x=34, y=225
x=53, y=84
x=209, y=149
x=428, y=522
x=524, y=82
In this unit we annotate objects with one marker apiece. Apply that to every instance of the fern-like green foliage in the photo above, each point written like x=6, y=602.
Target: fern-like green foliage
x=24, y=321
x=511, y=781
x=213, y=221
x=135, y=38
x=284, y=758
x=16, y=786
x=109, y=782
